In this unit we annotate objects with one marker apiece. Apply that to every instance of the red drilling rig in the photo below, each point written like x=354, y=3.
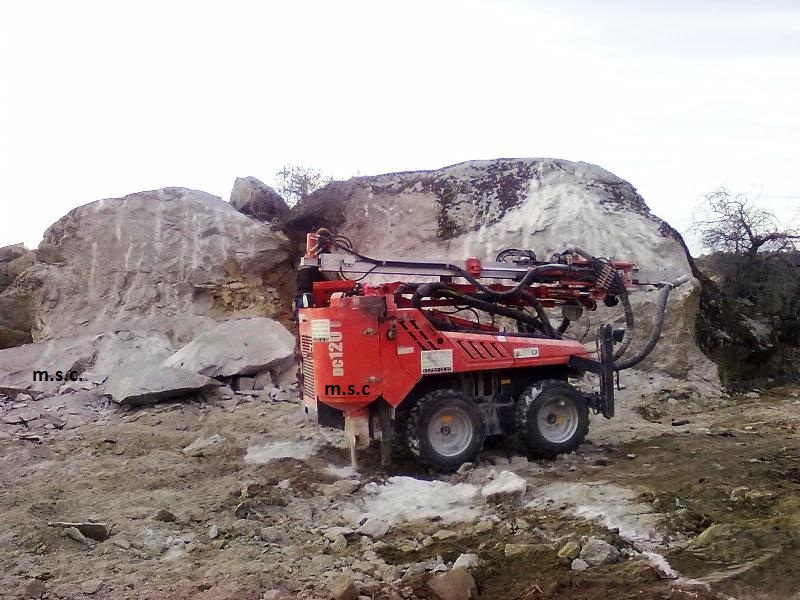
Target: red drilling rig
x=413, y=362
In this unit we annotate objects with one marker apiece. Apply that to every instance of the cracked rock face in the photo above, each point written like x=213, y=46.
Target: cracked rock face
x=480, y=207
x=172, y=260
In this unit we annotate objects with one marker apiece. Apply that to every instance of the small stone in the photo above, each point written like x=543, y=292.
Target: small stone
x=24, y=398
x=679, y=422
x=213, y=533
x=74, y=534
x=35, y=589
x=343, y=487
x=444, y=534
x=428, y=541
x=516, y=549
x=339, y=544
x=165, y=516
x=570, y=550
x=91, y=586
x=754, y=395
x=672, y=401
x=598, y=552
x=632, y=456
x=122, y=543
x=457, y=584
x=343, y=588
x=579, y=565
x=333, y=532
x=269, y=534
x=466, y=561
x=465, y=468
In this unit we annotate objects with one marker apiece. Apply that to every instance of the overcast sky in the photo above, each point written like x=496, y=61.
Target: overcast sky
x=101, y=99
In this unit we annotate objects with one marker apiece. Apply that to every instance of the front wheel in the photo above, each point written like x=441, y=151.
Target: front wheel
x=445, y=429
x=552, y=417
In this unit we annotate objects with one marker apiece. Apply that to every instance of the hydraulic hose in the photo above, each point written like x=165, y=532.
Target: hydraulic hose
x=425, y=290
x=630, y=325
x=661, y=306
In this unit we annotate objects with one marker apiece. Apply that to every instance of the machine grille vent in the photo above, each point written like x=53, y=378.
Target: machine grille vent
x=483, y=350
x=308, y=368
x=415, y=333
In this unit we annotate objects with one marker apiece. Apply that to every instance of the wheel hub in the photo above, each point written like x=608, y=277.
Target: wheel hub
x=450, y=432
x=558, y=420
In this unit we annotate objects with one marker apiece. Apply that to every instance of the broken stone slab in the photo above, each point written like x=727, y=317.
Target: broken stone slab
x=141, y=383
x=236, y=347
x=263, y=380
x=96, y=531
x=466, y=561
x=375, y=528
x=242, y=384
x=199, y=446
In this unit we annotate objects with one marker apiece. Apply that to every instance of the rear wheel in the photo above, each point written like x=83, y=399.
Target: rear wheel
x=445, y=429
x=552, y=417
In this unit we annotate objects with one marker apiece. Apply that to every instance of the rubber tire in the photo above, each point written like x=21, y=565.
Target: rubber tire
x=417, y=426
x=531, y=401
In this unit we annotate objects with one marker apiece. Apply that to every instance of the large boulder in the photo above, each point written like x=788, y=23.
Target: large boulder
x=173, y=261
x=480, y=207
x=238, y=347
x=257, y=200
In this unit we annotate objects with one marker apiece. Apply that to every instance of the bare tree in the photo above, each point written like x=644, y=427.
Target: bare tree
x=735, y=223
x=295, y=182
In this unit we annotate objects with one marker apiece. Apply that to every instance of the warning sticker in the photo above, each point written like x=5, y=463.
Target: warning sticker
x=436, y=361
x=320, y=330
x=532, y=352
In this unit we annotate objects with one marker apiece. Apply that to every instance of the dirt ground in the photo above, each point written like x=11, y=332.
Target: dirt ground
x=716, y=500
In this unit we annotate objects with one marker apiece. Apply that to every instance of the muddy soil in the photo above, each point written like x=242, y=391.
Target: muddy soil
x=707, y=509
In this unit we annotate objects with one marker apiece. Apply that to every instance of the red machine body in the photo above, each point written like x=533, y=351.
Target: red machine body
x=362, y=348
x=404, y=360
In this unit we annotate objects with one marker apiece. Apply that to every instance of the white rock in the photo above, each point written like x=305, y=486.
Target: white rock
x=506, y=485
x=374, y=528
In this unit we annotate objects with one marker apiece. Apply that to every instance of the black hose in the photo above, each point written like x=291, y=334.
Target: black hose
x=661, y=306
x=473, y=302
x=630, y=324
